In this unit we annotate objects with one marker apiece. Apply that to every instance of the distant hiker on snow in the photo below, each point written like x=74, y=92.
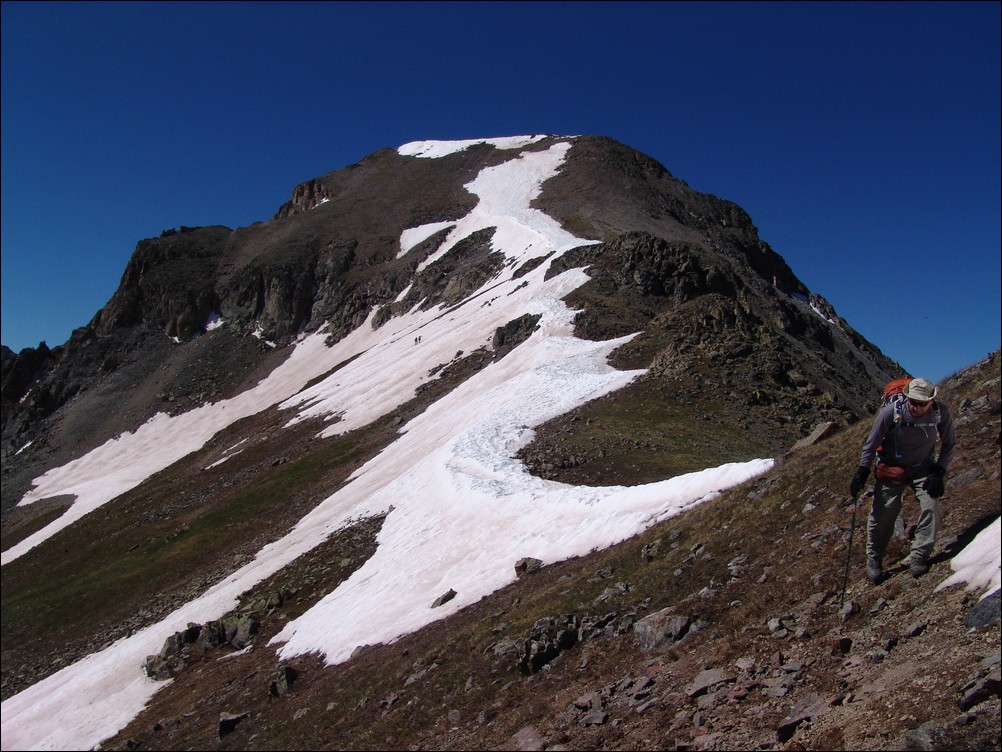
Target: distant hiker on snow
x=903, y=441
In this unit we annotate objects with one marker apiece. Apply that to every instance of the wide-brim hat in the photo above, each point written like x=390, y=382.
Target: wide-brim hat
x=920, y=390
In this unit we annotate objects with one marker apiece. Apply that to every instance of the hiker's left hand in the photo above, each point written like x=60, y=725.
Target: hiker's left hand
x=934, y=484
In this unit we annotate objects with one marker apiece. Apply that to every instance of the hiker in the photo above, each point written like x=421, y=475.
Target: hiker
x=903, y=441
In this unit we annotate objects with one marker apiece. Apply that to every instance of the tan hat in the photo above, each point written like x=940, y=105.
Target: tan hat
x=920, y=390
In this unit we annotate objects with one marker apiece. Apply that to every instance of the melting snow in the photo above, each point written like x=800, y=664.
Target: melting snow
x=980, y=563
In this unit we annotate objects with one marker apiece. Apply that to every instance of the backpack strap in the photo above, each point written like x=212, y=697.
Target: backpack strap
x=898, y=404
x=899, y=409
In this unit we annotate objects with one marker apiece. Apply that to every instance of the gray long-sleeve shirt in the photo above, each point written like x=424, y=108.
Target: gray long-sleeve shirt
x=914, y=440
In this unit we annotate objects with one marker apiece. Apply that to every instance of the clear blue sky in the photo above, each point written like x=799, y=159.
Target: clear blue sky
x=862, y=138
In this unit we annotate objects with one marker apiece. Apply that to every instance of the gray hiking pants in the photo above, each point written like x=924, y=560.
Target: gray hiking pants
x=883, y=513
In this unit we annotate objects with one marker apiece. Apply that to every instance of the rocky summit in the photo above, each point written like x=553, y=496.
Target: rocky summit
x=744, y=622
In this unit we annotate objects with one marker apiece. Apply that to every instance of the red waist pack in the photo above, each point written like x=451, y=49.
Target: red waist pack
x=891, y=474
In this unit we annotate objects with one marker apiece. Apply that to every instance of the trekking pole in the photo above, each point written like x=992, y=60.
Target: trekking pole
x=848, y=553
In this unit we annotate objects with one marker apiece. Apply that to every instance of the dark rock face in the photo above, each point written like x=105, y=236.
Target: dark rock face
x=306, y=196
x=686, y=268
x=17, y=372
x=549, y=638
x=986, y=612
x=716, y=306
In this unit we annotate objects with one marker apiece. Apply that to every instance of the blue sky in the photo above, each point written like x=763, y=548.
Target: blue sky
x=862, y=138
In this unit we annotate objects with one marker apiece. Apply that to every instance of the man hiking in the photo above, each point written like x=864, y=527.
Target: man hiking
x=903, y=441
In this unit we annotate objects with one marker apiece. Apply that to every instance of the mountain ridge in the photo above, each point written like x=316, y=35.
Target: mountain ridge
x=302, y=267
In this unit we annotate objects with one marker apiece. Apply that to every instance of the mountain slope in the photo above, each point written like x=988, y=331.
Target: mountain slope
x=730, y=358
x=761, y=568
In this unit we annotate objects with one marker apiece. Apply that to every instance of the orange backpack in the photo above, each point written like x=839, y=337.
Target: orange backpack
x=893, y=389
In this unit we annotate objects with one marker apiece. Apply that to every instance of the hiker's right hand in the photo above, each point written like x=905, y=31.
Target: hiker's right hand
x=858, y=479
x=934, y=483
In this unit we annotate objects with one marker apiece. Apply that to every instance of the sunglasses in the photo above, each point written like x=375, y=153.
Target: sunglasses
x=916, y=403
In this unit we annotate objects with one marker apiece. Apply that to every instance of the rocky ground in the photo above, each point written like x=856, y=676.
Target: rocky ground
x=759, y=647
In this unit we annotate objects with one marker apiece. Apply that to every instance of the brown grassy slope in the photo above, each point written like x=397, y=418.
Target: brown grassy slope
x=455, y=685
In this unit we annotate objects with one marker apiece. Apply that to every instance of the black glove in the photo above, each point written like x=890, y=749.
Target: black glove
x=934, y=482
x=858, y=479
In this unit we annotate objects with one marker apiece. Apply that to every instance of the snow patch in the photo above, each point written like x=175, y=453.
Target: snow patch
x=434, y=149
x=259, y=334
x=415, y=235
x=980, y=563
x=213, y=322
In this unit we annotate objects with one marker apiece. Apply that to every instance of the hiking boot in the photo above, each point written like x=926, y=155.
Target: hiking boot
x=918, y=568
x=874, y=571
